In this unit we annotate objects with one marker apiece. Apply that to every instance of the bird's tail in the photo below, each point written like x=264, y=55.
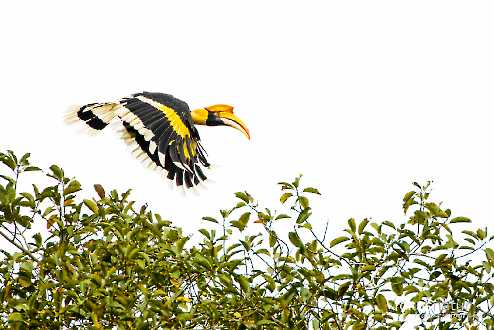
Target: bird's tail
x=95, y=115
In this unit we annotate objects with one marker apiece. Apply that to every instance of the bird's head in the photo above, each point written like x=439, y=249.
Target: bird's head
x=219, y=114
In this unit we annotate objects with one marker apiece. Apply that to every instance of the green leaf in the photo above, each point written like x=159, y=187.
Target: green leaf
x=285, y=185
x=411, y=289
x=16, y=317
x=272, y=238
x=408, y=196
x=460, y=219
x=407, y=204
x=352, y=224
x=296, y=182
x=240, y=205
x=282, y=216
x=382, y=303
x=29, y=198
x=481, y=234
x=205, y=233
x=91, y=205
x=489, y=254
x=304, y=215
x=22, y=307
x=397, y=287
x=470, y=233
x=27, y=266
x=338, y=240
x=343, y=288
x=24, y=221
x=202, y=261
x=244, y=283
x=25, y=159
x=263, y=251
x=31, y=169
x=210, y=219
x=72, y=187
x=57, y=172
x=37, y=239
x=389, y=224
x=362, y=225
x=9, y=179
x=264, y=217
x=271, y=284
x=9, y=161
x=284, y=197
x=312, y=190
x=244, y=219
x=408, y=200
x=366, y=268
x=304, y=202
x=7, y=196
x=133, y=252
x=243, y=196
x=241, y=223
x=436, y=210
x=295, y=239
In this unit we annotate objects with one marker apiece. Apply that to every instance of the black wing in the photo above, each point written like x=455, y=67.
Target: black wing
x=162, y=128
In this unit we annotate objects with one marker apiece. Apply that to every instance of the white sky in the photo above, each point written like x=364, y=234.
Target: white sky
x=363, y=98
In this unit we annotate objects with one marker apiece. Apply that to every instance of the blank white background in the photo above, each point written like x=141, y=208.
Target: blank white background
x=361, y=97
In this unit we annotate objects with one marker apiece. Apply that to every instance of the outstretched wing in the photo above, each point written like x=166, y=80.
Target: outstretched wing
x=162, y=128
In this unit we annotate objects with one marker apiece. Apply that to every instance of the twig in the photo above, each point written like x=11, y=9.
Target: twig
x=20, y=247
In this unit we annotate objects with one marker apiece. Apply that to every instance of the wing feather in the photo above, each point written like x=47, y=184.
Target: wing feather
x=162, y=128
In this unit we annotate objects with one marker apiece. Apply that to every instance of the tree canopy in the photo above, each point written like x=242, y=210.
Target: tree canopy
x=108, y=262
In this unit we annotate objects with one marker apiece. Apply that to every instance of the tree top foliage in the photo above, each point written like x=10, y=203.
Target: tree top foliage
x=108, y=263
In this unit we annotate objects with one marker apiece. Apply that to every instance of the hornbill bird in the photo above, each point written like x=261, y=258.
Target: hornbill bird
x=162, y=129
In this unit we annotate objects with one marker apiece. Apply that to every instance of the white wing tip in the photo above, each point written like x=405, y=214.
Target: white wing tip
x=70, y=116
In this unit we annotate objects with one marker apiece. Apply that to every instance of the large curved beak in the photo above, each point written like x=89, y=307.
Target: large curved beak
x=231, y=120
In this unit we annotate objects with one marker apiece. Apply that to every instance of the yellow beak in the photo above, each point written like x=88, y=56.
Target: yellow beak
x=231, y=120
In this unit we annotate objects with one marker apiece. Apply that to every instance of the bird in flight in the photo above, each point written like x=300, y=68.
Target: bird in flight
x=162, y=129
